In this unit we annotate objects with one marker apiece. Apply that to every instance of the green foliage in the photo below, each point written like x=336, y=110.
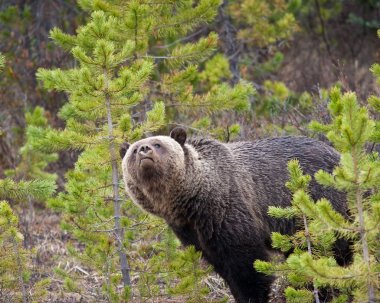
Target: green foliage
x=298, y=295
x=268, y=67
x=2, y=61
x=312, y=262
x=15, y=261
x=216, y=69
x=155, y=55
x=12, y=256
x=304, y=243
x=275, y=99
x=15, y=266
x=327, y=9
x=360, y=21
x=374, y=101
x=34, y=161
x=180, y=270
x=189, y=270
x=39, y=189
x=133, y=74
x=261, y=25
x=351, y=130
x=263, y=22
x=24, y=43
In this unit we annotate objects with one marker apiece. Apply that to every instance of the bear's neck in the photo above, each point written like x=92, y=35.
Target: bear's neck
x=202, y=197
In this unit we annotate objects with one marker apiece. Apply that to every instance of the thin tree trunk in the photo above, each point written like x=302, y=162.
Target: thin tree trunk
x=227, y=36
x=119, y=234
x=365, y=250
x=308, y=241
x=28, y=219
x=324, y=34
x=19, y=269
x=108, y=280
x=363, y=233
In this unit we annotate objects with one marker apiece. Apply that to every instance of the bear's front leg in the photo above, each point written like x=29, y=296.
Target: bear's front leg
x=235, y=264
x=249, y=286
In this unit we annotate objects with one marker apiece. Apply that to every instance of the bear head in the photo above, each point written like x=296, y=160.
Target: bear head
x=154, y=160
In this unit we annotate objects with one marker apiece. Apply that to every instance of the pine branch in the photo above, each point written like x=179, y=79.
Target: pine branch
x=38, y=189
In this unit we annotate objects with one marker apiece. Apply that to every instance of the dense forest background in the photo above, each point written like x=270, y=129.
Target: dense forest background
x=304, y=45
x=249, y=69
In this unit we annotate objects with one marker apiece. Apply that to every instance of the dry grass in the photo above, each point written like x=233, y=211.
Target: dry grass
x=50, y=245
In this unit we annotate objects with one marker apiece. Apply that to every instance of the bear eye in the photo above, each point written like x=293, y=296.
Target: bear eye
x=135, y=151
x=157, y=145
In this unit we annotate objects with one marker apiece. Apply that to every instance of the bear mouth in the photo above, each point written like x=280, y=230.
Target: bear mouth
x=146, y=159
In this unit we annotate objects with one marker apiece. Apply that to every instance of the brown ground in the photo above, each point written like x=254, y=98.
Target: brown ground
x=50, y=244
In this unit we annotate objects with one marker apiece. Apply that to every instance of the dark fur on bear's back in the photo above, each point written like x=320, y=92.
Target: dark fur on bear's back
x=268, y=160
x=219, y=202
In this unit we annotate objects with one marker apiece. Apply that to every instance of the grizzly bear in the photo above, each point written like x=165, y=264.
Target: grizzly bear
x=215, y=196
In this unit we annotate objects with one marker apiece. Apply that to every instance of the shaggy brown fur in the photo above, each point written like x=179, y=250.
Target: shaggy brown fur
x=215, y=196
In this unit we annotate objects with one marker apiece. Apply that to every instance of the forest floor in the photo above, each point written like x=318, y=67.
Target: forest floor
x=50, y=244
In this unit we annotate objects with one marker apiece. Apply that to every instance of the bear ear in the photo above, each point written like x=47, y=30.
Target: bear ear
x=179, y=134
x=123, y=149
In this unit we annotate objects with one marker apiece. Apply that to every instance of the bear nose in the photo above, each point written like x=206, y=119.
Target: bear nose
x=145, y=149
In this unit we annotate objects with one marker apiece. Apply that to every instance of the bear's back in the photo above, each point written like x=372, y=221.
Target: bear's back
x=266, y=162
x=269, y=157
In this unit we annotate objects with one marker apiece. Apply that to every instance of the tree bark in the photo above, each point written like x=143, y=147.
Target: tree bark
x=19, y=269
x=363, y=233
x=227, y=37
x=116, y=200
x=308, y=240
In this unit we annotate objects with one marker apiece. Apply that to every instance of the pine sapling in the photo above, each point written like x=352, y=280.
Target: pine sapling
x=131, y=56
x=350, y=131
x=32, y=165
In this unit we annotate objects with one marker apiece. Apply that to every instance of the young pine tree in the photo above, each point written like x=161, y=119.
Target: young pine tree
x=33, y=162
x=39, y=188
x=358, y=175
x=15, y=264
x=133, y=68
x=32, y=166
